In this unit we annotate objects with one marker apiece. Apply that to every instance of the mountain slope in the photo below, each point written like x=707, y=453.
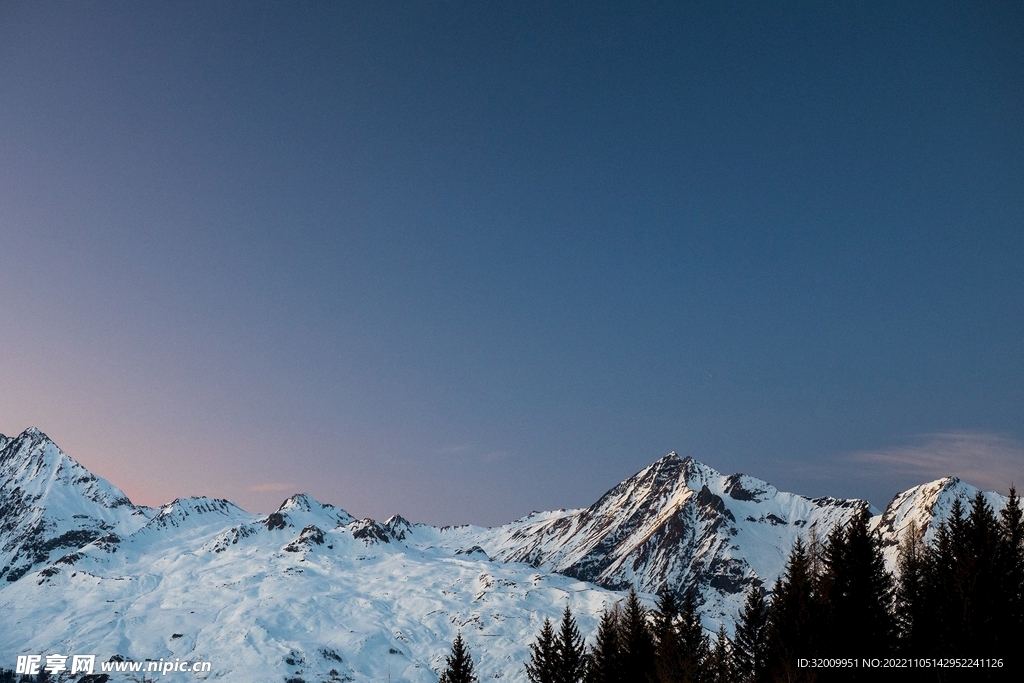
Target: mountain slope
x=925, y=506
x=676, y=524
x=50, y=504
x=307, y=592
x=310, y=592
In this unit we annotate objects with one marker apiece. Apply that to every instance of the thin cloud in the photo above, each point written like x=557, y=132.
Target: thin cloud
x=273, y=487
x=989, y=461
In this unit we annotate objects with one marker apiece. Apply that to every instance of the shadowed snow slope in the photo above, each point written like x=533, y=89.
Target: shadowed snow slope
x=310, y=592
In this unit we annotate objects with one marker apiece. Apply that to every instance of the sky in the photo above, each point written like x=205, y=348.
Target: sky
x=461, y=261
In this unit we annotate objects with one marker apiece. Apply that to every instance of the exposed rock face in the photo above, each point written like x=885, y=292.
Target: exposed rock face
x=50, y=505
x=370, y=532
x=305, y=593
x=310, y=536
x=677, y=524
x=275, y=520
x=73, y=544
x=398, y=526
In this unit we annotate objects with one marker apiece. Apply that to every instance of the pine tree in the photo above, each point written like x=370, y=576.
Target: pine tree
x=637, y=641
x=911, y=616
x=829, y=575
x=750, y=647
x=719, y=662
x=668, y=665
x=1011, y=564
x=945, y=579
x=791, y=620
x=570, y=651
x=542, y=665
x=859, y=592
x=982, y=583
x=941, y=629
x=693, y=642
x=604, y=664
x=459, y=664
x=957, y=520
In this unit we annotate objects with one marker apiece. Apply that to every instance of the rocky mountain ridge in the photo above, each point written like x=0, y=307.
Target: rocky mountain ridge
x=268, y=595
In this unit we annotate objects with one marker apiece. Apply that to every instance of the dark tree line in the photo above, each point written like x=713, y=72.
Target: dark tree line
x=633, y=645
x=960, y=596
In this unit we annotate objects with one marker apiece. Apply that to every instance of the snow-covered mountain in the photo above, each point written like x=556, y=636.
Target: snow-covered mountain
x=50, y=505
x=677, y=523
x=305, y=593
x=310, y=593
x=925, y=506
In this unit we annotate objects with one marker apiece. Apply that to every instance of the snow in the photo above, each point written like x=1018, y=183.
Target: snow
x=309, y=590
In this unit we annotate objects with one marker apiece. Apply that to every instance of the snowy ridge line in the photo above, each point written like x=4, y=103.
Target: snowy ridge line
x=309, y=591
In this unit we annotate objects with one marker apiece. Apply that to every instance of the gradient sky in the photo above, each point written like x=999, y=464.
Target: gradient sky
x=462, y=260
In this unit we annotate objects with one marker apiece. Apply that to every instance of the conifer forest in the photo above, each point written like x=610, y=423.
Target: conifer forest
x=953, y=611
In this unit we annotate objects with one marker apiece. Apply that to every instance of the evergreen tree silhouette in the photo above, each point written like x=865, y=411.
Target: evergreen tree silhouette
x=859, y=593
x=982, y=586
x=637, y=641
x=570, y=651
x=542, y=665
x=719, y=663
x=751, y=646
x=459, y=664
x=668, y=664
x=945, y=582
x=910, y=612
x=693, y=642
x=1010, y=566
x=604, y=664
x=792, y=619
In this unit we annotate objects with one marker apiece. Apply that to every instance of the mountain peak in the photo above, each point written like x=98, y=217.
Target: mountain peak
x=688, y=466
x=678, y=524
x=299, y=501
x=34, y=436
x=926, y=506
x=671, y=459
x=49, y=503
x=29, y=443
x=397, y=520
x=36, y=465
x=949, y=482
x=30, y=434
x=398, y=526
x=303, y=507
x=195, y=511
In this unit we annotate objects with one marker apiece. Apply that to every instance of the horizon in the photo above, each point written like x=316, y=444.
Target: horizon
x=469, y=261
x=880, y=508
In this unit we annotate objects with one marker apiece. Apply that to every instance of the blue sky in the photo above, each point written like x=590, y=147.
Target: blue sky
x=466, y=260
